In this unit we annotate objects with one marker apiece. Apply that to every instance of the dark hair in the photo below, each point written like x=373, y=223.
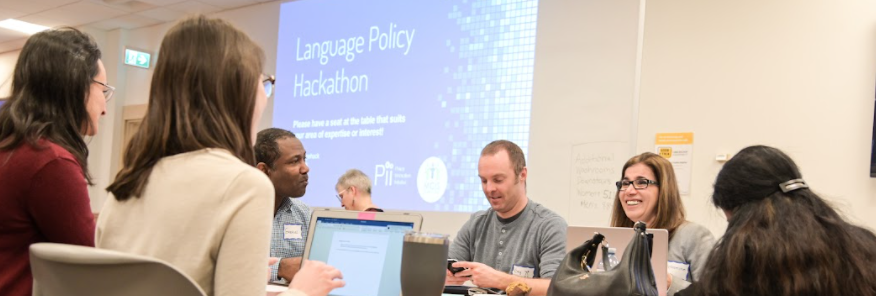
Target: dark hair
x=669, y=209
x=50, y=84
x=266, y=149
x=783, y=243
x=515, y=154
x=203, y=95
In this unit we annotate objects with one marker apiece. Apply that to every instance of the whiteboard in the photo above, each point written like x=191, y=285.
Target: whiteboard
x=595, y=169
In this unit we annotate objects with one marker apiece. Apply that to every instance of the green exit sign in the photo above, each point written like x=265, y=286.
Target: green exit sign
x=137, y=58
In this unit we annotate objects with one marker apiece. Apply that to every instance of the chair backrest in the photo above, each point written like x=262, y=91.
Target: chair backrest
x=60, y=269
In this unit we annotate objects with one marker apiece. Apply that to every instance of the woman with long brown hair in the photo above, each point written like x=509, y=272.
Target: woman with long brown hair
x=648, y=192
x=188, y=192
x=59, y=91
x=782, y=239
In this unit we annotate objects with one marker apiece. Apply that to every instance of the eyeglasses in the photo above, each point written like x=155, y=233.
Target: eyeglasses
x=268, y=83
x=107, y=91
x=639, y=184
x=340, y=196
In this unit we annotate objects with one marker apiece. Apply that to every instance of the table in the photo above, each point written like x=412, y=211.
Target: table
x=274, y=290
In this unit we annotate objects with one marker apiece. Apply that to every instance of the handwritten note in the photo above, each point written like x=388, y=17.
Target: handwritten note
x=595, y=168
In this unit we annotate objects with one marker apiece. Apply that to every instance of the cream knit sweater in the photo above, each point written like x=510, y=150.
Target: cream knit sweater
x=205, y=212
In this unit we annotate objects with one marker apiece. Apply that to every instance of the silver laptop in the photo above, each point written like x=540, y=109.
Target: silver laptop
x=365, y=246
x=619, y=238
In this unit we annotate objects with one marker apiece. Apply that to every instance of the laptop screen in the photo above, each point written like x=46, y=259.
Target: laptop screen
x=367, y=252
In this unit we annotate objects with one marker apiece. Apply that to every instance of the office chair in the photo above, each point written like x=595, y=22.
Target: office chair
x=60, y=269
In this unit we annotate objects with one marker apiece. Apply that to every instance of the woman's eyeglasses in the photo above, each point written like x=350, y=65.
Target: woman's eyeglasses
x=639, y=184
x=268, y=83
x=108, y=90
x=340, y=195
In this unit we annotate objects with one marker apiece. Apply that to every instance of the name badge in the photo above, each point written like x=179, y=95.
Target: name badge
x=523, y=271
x=292, y=231
x=679, y=270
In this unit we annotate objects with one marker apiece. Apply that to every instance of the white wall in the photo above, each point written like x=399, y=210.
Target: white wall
x=7, y=63
x=583, y=93
x=797, y=75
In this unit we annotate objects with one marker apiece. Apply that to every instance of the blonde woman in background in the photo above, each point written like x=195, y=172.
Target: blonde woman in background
x=354, y=192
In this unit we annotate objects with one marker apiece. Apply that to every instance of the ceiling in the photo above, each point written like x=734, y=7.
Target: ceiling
x=106, y=14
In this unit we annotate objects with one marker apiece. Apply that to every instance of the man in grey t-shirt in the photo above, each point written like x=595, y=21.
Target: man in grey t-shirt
x=515, y=241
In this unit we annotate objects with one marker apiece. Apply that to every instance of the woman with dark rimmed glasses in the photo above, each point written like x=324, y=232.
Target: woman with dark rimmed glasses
x=648, y=192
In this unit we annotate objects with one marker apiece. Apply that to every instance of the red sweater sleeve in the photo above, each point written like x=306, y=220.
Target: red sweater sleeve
x=59, y=203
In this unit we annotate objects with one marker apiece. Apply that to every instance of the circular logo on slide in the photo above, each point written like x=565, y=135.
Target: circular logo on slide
x=432, y=179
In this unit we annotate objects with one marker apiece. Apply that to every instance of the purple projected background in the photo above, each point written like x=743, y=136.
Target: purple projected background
x=406, y=91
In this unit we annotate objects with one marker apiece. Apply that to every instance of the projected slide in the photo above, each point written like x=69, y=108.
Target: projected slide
x=406, y=91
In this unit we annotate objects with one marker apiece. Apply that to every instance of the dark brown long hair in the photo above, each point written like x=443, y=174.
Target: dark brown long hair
x=783, y=243
x=50, y=84
x=669, y=209
x=203, y=95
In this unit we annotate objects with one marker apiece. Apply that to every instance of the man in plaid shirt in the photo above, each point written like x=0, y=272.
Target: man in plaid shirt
x=280, y=155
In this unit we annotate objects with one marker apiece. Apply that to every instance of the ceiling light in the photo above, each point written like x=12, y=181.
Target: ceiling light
x=21, y=26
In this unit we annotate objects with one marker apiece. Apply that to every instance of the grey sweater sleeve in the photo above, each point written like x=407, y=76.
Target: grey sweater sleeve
x=552, y=246
x=461, y=247
x=691, y=245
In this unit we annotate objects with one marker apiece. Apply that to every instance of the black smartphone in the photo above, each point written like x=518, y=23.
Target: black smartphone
x=452, y=269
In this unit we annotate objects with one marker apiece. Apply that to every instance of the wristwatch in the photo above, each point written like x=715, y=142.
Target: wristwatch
x=518, y=289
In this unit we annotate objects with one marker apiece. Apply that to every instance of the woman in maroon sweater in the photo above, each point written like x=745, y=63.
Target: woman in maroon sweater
x=59, y=90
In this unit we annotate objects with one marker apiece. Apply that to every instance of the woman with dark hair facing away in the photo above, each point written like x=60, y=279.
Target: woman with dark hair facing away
x=59, y=91
x=782, y=238
x=648, y=192
x=188, y=192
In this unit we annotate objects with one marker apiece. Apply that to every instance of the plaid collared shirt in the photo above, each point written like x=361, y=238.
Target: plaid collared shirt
x=292, y=212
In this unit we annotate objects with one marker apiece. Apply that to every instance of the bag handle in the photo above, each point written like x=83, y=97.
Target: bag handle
x=605, y=261
x=639, y=251
x=590, y=247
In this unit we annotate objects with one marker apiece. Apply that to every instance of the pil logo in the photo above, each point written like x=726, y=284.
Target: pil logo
x=383, y=171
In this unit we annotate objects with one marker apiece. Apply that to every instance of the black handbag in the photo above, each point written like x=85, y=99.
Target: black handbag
x=632, y=276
